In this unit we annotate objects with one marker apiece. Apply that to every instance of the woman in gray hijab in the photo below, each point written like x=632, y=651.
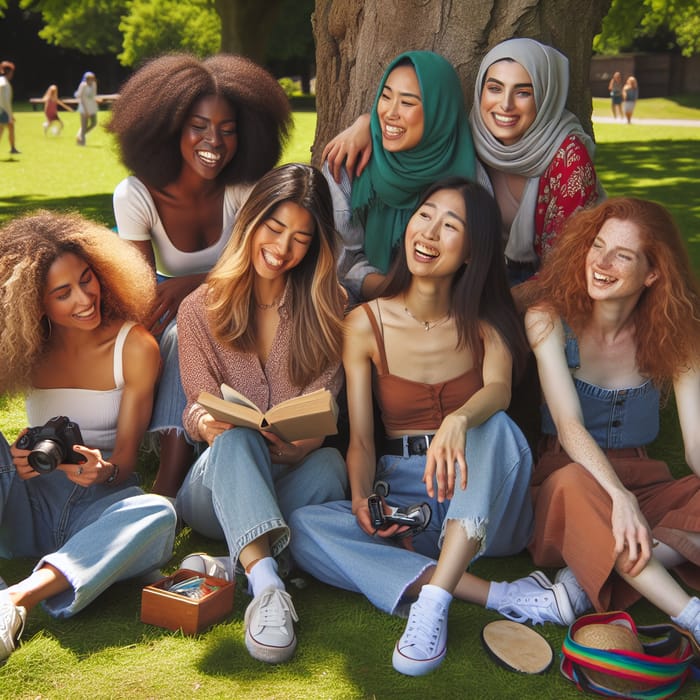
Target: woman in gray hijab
x=535, y=152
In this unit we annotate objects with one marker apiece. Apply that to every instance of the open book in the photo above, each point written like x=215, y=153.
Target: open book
x=307, y=416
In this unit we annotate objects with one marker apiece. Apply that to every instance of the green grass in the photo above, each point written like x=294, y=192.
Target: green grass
x=344, y=643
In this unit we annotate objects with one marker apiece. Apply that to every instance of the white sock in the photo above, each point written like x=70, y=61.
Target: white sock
x=436, y=595
x=689, y=618
x=263, y=575
x=497, y=592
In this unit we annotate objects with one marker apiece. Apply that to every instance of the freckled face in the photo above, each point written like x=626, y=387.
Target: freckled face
x=507, y=103
x=400, y=110
x=72, y=294
x=437, y=241
x=616, y=265
x=282, y=240
x=209, y=137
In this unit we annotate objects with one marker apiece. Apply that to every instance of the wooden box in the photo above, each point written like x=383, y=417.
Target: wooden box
x=174, y=611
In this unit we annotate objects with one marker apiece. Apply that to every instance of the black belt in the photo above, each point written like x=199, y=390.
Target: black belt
x=519, y=266
x=408, y=445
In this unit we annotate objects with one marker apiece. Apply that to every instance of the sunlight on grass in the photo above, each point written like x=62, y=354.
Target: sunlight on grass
x=345, y=644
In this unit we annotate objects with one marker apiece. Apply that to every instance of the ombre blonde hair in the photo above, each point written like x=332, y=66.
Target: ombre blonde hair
x=28, y=247
x=315, y=298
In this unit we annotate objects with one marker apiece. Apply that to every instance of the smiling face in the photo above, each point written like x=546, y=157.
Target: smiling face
x=72, y=294
x=209, y=137
x=281, y=241
x=616, y=265
x=400, y=110
x=437, y=242
x=507, y=102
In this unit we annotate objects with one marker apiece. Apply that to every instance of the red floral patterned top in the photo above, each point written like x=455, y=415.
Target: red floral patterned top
x=568, y=184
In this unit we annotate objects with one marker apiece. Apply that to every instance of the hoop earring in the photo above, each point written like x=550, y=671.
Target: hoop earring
x=48, y=323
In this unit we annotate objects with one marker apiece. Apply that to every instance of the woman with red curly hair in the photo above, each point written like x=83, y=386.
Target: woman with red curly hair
x=615, y=325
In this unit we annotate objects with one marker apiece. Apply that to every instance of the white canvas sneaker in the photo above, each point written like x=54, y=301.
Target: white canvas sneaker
x=269, y=628
x=12, y=619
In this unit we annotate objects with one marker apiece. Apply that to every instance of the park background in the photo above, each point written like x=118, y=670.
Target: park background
x=345, y=644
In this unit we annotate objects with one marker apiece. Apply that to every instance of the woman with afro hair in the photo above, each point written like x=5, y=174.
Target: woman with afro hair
x=196, y=134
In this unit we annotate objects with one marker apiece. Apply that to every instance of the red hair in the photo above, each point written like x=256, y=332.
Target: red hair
x=667, y=315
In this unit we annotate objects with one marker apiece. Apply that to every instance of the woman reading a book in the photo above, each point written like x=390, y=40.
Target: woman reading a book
x=437, y=350
x=267, y=322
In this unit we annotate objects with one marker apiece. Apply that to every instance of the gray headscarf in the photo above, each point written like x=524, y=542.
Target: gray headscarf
x=532, y=154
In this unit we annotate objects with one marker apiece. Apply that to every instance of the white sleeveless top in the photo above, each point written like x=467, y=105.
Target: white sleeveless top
x=95, y=411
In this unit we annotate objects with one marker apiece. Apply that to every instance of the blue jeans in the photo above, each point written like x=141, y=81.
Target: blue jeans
x=234, y=492
x=170, y=398
x=94, y=536
x=494, y=508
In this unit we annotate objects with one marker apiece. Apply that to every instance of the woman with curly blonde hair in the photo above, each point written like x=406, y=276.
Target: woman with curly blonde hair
x=196, y=134
x=268, y=323
x=616, y=323
x=73, y=294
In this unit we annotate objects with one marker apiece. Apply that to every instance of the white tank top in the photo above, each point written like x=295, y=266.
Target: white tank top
x=95, y=411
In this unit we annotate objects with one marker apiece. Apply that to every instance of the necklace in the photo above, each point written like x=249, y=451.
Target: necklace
x=427, y=325
x=264, y=307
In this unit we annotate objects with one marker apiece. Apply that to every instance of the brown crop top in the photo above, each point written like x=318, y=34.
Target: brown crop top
x=407, y=405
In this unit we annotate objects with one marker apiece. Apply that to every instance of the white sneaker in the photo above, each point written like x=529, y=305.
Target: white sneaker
x=269, y=629
x=580, y=601
x=423, y=645
x=12, y=619
x=218, y=567
x=537, y=599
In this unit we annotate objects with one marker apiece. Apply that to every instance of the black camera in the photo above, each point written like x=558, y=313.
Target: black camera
x=51, y=444
x=417, y=516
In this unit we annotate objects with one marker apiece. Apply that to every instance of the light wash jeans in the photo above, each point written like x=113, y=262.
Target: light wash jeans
x=234, y=492
x=170, y=398
x=495, y=507
x=94, y=536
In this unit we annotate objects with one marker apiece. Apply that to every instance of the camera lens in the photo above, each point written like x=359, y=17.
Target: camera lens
x=46, y=456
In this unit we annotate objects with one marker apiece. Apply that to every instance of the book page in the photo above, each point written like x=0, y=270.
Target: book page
x=230, y=394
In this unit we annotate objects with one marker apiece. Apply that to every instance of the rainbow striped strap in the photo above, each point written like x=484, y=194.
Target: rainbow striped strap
x=657, y=673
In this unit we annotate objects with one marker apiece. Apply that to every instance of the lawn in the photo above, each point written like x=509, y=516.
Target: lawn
x=344, y=643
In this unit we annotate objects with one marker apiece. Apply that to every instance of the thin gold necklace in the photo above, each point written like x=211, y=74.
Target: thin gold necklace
x=427, y=325
x=264, y=307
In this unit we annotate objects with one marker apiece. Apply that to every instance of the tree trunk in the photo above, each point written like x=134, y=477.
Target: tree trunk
x=246, y=26
x=356, y=39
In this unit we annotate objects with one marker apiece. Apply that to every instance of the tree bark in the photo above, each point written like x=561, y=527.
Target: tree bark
x=356, y=39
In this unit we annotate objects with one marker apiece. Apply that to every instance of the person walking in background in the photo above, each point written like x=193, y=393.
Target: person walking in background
x=615, y=88
x=7, y=118
x=87, y=106
x=51, y=104
x=630, y=93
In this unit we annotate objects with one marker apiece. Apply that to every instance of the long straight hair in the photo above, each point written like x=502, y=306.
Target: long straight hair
x=314, y=296
x=480, y=291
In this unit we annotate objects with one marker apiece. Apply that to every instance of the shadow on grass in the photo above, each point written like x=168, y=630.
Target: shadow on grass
x=667, y=172
x=97, y=207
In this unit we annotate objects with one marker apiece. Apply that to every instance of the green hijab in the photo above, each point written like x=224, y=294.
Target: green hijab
x=387, y=192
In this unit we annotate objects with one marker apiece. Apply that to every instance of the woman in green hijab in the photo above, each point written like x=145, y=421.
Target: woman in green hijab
x=420, y=134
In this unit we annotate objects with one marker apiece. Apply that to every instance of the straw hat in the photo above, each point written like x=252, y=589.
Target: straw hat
x=615, y=637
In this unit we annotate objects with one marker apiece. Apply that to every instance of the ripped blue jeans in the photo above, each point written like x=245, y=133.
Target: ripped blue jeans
x=495, y=508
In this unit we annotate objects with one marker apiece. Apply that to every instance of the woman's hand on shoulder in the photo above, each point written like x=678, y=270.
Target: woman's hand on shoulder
x=631, y=531
x=539, y=324
x=351, y=147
